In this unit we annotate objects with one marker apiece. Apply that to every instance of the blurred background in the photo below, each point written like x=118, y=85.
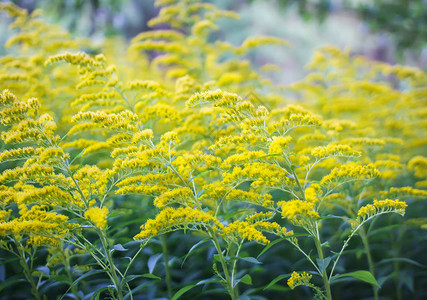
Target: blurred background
x=394, y=31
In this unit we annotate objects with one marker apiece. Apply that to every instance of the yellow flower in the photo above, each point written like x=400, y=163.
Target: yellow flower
x=98, y=216
x=350, y=171
x=279, y=144
x=380, y=207
x=334, y=150
x=298, y=211
x=170, y=219
x=182, y=195
x=298, y=279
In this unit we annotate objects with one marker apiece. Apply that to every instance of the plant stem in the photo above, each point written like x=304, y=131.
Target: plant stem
x=70, y=276
x=223, y=263
x=365, y=242
x=28, y=272
x=112, y=267
x=324, y=275
x=168, y=274
x=233, y=270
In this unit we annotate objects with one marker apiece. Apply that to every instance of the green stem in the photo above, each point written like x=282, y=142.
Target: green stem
x=324, y=275
x=28, y=272
x=233, y=270
x=396, y=267
x=365, y=242
x=223, y=263
x=69, y=275
x=168, y=274
x=112, y=267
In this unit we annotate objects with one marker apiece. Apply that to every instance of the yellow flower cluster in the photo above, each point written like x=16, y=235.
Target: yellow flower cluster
x=34, y=172
x=182, y=196
x=418, y=164
x=295, y=121
x=312, y=193
x=243, y=140
x=334, y=150
x=262, y=174
x=122, y=121
x=404, y=191
x=298, y=211
x=20, y=153
x=170, y=219
x=46, y=195
x=279, y=144
x=43, y=228
x=242, y=159
x=379, y=207
x=350, y=171
x=244, y=230
x=80, y=58
x=250, y=197
x=98, y=216
x=298, y=279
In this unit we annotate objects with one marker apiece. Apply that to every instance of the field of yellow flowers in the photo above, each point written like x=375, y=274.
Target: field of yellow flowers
x=172, y=168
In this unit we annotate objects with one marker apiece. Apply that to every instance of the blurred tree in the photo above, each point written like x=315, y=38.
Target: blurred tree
x=96, y=17
x=404, y=20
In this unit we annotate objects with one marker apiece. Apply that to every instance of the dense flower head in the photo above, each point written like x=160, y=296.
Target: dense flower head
x=379, y=207
x=43, y=227
x=350, y=171
x=98, y=216
x=298, y=211
x=298, y=279
x=170, y=219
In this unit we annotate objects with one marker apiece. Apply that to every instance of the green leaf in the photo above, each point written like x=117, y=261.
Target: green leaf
x=130, y=278
x=401, y=259
x=182, y=291
x=275, y=280
x=193, y=248
x=365, y=276
x=251, y=260
x=77, y=156
x=270, y=245
x=209, y=280
x=323, y=263
x=247, y=279
x=151, y=276
x=90, y=273
x=45, y=270
x=97, y=293
x=152, y=261
x=119, y=247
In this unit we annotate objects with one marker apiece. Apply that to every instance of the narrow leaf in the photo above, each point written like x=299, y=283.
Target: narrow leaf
x=251, y=260
x=119, y=247
x=151, y=276
x=275, y=280
x=45, y=270
x=152, y=261
x=193, y=248
x=182, y=291
x=269, y=246
x=401, y=259
x=209, y=280
x=361, y=275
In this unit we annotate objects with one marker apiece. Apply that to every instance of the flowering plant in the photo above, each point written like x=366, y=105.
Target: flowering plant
x=169, y=143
